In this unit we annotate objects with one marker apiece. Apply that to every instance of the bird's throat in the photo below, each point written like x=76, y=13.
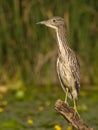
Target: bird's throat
x=62, y=40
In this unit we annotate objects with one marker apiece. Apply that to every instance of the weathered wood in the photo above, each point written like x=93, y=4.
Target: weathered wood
x=71, y=116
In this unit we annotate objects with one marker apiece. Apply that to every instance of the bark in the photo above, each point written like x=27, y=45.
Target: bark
x=71, y=116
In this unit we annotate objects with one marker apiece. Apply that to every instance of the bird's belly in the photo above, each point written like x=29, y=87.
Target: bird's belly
x=66, y=78
x=66, y=74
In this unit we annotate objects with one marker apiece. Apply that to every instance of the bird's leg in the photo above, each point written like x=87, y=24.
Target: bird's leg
x=75, y=107
x=66, y=96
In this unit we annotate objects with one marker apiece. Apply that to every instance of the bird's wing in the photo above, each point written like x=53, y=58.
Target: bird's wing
x=75, y=69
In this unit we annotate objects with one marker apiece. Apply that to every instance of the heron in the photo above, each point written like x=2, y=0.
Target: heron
x=68, y=68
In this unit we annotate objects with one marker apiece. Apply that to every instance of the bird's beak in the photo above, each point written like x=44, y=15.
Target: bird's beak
x=42, y=22
x=46, y=23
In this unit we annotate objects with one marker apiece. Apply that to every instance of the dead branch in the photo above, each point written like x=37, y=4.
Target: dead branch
x=71, y=116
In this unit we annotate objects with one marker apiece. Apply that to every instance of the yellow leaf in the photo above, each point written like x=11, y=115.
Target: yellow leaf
x=1, y=109
x=57, y=127
x=30, y=121
x=41, y=108
x=4, y=103
x=47, y=103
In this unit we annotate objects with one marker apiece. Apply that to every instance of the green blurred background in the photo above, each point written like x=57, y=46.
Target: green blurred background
x=28, y=55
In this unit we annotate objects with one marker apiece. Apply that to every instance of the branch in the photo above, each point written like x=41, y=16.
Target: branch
x=71, y=116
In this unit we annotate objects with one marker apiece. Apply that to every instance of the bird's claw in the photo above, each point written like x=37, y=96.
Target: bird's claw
x=66, y=102
x=76, y=111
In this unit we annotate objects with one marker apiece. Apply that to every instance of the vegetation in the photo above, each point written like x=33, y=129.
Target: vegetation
x=28, y=56
x=28, y=50
x=36, y=110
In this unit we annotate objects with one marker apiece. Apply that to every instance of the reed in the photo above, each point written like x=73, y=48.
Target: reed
x=23, y=45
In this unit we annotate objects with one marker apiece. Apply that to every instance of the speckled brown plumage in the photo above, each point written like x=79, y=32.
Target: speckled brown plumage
x=67, y=63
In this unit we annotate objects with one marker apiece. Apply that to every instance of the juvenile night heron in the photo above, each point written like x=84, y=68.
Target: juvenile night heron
x=67, y=63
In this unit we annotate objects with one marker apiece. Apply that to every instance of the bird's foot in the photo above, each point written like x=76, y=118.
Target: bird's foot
x=76, y=111
x=75, y=108
x=66, y=102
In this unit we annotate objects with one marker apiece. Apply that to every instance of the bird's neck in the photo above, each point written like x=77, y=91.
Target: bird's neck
x=62, y=39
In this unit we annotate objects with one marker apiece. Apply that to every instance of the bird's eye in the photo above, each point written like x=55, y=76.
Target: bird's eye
x=54, y=20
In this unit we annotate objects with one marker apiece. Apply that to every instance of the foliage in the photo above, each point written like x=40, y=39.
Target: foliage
x=36, y=111
x=28, y=50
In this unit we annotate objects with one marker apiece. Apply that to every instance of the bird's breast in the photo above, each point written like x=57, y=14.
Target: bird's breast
x=65, y=72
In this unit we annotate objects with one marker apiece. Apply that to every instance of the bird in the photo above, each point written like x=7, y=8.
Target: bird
x=68, y=68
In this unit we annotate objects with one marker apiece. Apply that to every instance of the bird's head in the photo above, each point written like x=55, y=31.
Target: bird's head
x=54, y=22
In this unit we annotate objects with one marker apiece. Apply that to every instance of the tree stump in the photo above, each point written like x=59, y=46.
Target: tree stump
x=71, y=116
